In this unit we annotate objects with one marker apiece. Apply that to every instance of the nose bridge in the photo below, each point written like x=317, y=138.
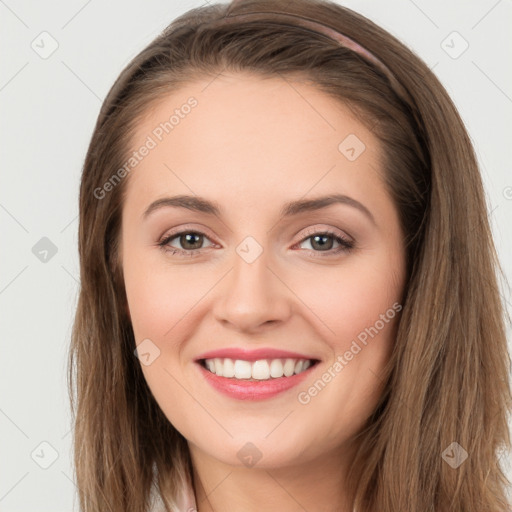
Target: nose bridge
x=252, y=294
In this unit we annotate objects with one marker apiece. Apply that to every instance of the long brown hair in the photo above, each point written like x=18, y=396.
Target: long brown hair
x=448, y=376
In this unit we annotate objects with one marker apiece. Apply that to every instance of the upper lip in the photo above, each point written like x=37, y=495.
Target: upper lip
x=252, y=355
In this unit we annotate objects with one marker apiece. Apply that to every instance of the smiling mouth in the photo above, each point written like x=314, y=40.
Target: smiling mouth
x=260, y=370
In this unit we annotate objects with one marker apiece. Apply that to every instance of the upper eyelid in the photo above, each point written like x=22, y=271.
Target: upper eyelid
x=186, y=229
x=331, y=231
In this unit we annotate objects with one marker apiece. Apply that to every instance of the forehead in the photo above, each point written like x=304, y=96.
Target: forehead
x=248, y=139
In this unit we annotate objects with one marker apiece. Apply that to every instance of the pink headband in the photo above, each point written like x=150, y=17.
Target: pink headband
x=314, y=26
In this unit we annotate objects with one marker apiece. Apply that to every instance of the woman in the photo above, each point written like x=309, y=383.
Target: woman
x=333, y=339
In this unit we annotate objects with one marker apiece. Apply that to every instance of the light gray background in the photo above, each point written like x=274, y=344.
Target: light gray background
x=48, y=110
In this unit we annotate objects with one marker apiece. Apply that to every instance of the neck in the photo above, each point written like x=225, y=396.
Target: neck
x=317, y=484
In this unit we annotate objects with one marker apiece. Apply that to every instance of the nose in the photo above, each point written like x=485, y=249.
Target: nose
x=252, y=296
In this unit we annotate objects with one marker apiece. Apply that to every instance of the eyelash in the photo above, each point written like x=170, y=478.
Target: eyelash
x=345, y=244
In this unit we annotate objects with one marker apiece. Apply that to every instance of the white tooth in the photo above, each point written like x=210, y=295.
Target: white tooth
x=218, y=366
x=242, y=369
x=276, y=368
x=260, y=370
x=289, y=367
x=229, y=368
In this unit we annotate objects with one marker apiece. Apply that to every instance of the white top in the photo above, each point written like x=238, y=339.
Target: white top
x=186, y=501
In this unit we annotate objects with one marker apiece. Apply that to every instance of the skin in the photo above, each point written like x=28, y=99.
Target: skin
x=251, y=145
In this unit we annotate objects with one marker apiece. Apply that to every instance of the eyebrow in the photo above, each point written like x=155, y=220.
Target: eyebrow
x=203, y=205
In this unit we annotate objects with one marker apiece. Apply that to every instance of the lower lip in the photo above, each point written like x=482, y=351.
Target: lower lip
x=253, y=389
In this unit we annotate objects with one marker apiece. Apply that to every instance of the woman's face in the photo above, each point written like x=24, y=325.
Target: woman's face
x=254, y=278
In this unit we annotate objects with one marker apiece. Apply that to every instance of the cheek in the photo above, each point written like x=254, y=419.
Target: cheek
x=360, y=304
x=159, y=298
x=160, y=312
x=350, y=300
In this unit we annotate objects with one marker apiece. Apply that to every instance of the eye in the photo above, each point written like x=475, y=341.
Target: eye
x=322, y=242
x=190, y=241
